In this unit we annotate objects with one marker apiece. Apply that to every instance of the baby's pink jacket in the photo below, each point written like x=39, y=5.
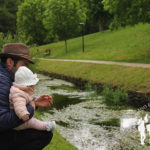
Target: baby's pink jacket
x=19, y=97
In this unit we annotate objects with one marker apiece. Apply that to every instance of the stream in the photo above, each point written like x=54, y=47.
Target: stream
x=87, y=123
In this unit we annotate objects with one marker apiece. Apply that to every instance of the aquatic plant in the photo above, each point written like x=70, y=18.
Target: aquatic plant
x=91, y=90
x=114, y=97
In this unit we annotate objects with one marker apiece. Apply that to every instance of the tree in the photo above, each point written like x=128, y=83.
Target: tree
x=30, y=21
x=63, y=18
x=127, y=12
x=8, y=9
x=97, y=14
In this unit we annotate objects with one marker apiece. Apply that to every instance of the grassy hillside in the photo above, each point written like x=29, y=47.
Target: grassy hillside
x=130, y=44
x=127, y=78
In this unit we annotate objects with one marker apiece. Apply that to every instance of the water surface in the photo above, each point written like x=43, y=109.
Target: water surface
x=86, y=122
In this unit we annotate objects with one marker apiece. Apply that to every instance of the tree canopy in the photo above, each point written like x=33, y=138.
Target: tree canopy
x=41, y=21
x=8, y=9
x=30, y=21
x=127, y=12
x=64, y=17
x=96, y=14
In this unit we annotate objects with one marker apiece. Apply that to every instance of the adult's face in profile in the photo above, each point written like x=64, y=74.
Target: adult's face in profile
x=11, y=65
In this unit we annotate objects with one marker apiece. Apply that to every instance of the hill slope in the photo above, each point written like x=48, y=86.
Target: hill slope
x=130, y=44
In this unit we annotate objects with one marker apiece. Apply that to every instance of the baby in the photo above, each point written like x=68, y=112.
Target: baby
x=21, y=94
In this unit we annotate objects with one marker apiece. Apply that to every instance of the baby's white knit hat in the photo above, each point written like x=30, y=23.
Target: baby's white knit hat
x=25, y=77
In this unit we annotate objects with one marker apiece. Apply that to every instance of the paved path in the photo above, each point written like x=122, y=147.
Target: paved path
x=103, y=62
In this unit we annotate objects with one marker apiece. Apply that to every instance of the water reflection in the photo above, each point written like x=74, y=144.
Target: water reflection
x=90, y=124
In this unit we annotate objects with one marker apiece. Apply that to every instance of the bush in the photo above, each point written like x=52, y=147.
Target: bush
x=114, y=97
x=7, y=38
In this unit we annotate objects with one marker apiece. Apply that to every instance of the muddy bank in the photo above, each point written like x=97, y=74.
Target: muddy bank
x=137, y=99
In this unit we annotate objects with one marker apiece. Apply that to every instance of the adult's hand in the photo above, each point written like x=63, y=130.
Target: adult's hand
x=44, y=101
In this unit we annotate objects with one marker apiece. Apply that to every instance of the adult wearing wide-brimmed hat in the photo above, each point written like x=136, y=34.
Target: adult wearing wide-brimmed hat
x=16, y=50
x=13, y=56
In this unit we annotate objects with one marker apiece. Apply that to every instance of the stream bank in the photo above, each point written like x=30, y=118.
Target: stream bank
x=135, y=98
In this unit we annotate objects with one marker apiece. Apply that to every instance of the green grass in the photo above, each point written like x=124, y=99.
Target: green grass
x=130, y=44
x=58, y=142
x=127, y=78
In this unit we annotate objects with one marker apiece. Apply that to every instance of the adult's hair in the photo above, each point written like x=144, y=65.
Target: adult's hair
x=15, y=59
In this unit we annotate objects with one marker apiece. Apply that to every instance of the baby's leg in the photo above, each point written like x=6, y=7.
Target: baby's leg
x=32, y=123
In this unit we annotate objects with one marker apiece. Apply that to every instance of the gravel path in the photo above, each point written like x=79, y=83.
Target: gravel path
x=142, y=65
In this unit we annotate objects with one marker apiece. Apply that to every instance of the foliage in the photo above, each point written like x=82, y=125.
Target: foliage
x=8, y=9
x=63, y=18
x=91, y=90
x=127, y=12
x=30, y=21
x=116, y=97
x=97, y=15
x=7, y=38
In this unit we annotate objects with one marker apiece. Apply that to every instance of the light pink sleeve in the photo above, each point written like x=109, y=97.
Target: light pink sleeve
x=20, y=106
x=18, y=101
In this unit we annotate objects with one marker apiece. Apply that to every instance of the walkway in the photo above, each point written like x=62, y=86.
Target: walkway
x=103, y=62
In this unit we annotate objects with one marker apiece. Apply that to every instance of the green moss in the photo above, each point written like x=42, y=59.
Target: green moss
x=112, y=122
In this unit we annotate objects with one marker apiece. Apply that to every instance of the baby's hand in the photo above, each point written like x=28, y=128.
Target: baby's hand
x=25, y=117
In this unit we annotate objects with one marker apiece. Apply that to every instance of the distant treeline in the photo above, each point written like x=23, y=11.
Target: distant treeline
x=45, y=21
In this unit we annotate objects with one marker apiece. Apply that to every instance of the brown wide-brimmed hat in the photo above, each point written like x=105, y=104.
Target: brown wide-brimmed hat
x=17, y=50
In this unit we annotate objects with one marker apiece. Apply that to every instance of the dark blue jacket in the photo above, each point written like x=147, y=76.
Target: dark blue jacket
x=8, y=118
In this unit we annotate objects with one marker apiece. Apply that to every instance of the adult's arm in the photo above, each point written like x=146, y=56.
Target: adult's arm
x=9, y=119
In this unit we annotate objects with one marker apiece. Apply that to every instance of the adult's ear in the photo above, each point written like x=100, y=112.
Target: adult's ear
x=9, y=63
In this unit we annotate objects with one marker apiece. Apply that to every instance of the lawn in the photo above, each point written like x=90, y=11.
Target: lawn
x=127, y=78
x=130, y=44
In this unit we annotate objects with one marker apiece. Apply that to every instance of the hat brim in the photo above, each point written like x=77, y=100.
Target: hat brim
x=16, y=56
x=28, y=83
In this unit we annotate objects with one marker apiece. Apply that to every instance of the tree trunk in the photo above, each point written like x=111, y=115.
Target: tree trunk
x=66, y=46
x=100, y=27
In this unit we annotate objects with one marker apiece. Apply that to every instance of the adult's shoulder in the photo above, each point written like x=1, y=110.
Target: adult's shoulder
x=5, y=73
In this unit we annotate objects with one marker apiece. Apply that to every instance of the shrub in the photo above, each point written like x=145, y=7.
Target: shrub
x=114, y=97
x=7, y=38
